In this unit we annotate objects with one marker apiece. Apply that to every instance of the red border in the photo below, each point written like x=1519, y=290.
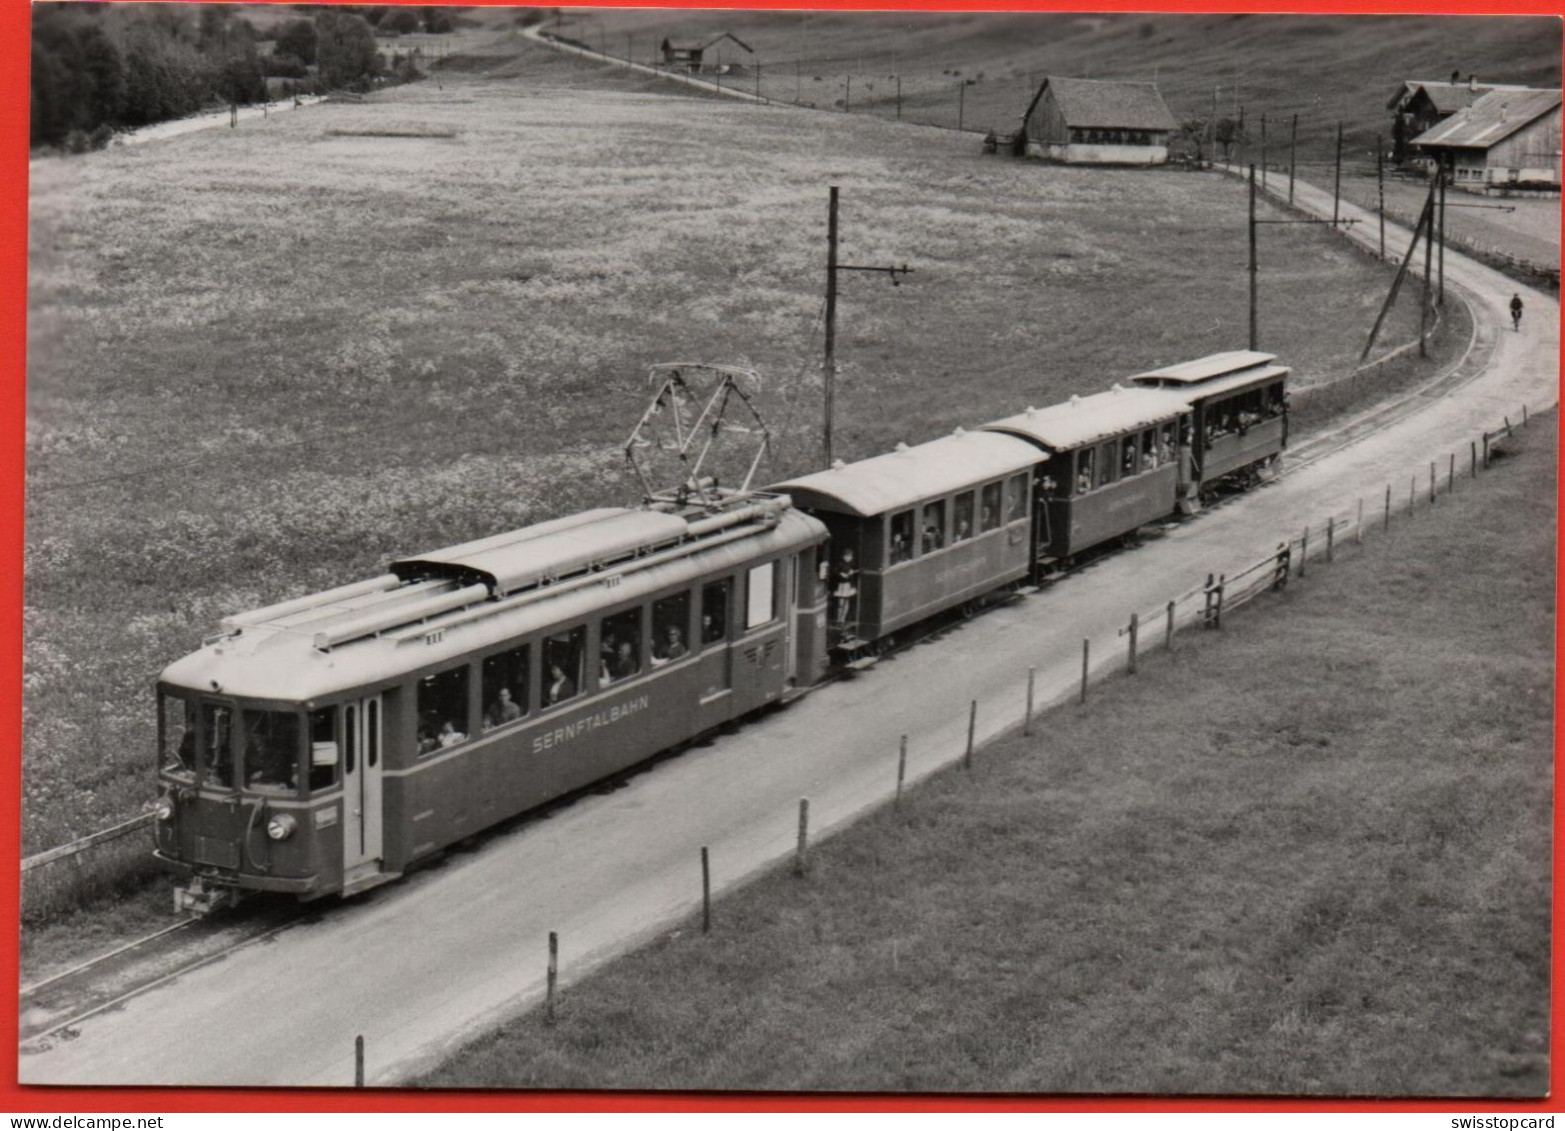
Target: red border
x=14, y=38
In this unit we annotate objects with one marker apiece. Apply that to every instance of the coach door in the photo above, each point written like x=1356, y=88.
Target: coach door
x=361, y=773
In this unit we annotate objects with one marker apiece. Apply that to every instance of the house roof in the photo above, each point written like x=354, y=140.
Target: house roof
x=1446, y=97
x=1492, y=119
x=1099, y=104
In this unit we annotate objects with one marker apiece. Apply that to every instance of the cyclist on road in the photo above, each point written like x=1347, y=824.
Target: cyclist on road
x=1516, y=312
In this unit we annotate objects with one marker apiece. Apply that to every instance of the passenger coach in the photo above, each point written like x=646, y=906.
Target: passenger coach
x=1240, y=412
x=326, y=743
x=920, y=530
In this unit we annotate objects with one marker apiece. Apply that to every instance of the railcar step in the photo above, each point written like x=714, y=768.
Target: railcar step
x=362, y=879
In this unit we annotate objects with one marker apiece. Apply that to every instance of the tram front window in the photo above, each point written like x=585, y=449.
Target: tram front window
x=179, y=736
x=324, y=755
x=271, y=753
x=217, y=745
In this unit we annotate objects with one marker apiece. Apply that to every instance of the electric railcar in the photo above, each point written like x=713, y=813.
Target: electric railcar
x=325, y=744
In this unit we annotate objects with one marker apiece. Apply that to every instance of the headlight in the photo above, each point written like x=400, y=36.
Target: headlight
x=164, y=809
x=281, y=827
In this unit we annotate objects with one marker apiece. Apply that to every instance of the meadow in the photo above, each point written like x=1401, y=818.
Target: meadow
x=263, y=360
x=1329, y=877
x=1324, y=69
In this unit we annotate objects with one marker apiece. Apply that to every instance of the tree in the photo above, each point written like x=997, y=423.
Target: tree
x=1193, y=130
x=297, y=38
x=345, y=50
x=400, y=21
x=1230, y=132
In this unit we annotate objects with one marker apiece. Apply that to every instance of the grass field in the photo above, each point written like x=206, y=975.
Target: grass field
x=1329, y=877
x=262, y=360
x=1324, y=69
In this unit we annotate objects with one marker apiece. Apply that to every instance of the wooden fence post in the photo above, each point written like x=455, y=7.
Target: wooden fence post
x=1032, y=674
x=1206, y=611
x=1304, y=552
x=1168, y=635
x=1331, y=537
x=1431, y=482
x=553, y=981
x=1222, y=581
x=358, y=1061
x=1134, y=624
x=706, y=892
x=1486, y=451
x=972, y=725
x=1473, y=451
x=1358, y=527
x=1412, y=494
x=1450, y=474
x=1387, y=525
x=901, y=768
x=1524, y=416
x=1086, y=646
x=799, y=861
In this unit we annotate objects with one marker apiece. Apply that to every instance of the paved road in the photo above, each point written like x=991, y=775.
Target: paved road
x=422, y=965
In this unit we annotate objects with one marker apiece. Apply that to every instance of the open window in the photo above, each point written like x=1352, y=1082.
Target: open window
x=1129, y=456
x=271, y=755
x=901, y=548
x=178, y=720
x=989, y=508
x=564, y=666
x=217, y=745
x=670, y=629
x=1108, y=468
x=1016, y=498
x=619, y=647
x=714, y=611
x=505, y=676
x=442, y=710
x=962, y=517
x=1086, y=470
x=933, y=536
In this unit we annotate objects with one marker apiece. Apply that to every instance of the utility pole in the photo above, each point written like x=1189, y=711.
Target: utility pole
x=1239, y=139
x=847, y=94
x=1424, y=307
x=961, y=103
x=899, y=98
x=798, y=81
x=1441, y=175
x=758, y=80
x=1253, y=265
x=1336, y=192
x=1424, y=220
x=1211, y=128
x=1293, y=156
x=1263, y=149
x=1380, y=187
x=829, y=371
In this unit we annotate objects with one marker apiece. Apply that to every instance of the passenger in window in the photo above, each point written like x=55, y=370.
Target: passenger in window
x=1084, y=481
x=503, y=710
x=449, y=735
x=987, y=520
x=561, y=686
x=625, y=663
x=899, y=549
x=670, y=649
x=932, y=539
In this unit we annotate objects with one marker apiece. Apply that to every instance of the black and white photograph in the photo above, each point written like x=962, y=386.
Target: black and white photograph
x=789, y=551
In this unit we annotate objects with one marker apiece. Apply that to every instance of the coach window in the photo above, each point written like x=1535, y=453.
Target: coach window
x=714, y=611
x=1086, y=470
x=670, y=629
x=901, y=538
x=442, y=710
x=619, y=646
x=1128, y=464
x=564, y=665
x=217, y=745
x=271, y=753
x=962, y=517
x=933, y=536
x=179, y=736
x=505, y=687
x=989, y=508
x=1108, y=470
x=1016, y=498
x=324, y=752
x=761, y=596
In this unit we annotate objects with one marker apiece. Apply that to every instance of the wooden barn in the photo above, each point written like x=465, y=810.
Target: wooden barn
x=1508, y=139
x=1092, y=122
x=1420, y=104
x=693, y=59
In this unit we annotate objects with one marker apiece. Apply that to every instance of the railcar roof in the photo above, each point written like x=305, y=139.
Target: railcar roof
x=1086, y=420
x=911, y=474
x=1218, y=386
x=272, y=660
x=520, y=559
x=1204, y=368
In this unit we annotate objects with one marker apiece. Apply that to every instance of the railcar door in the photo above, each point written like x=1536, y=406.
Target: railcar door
x=361, y=778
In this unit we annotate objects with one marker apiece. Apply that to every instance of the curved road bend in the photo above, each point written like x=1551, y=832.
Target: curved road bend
x=423, y=964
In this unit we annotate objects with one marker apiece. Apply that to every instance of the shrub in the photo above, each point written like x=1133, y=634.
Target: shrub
x=400, y=21
x=102, y=135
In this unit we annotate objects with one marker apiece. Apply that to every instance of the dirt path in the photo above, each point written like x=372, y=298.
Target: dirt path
x=419, y=966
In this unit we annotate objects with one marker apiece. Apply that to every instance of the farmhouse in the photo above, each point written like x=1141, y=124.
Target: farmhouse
x=692, y=59
x=1420, y=104
x=1090, y=122
x=1507, y=139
